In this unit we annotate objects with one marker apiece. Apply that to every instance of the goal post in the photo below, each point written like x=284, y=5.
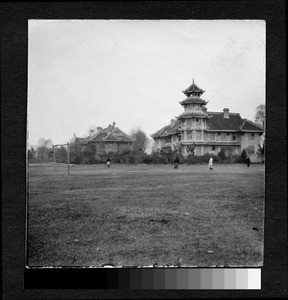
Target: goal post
x=68, y=155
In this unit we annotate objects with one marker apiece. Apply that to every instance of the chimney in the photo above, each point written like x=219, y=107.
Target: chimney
x=99, y=128
x=173, y=121
x=91, y=132
x=114, y=124
x=226, y=112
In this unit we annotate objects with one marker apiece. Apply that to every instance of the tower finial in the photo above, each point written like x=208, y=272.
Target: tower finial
x=193, y=80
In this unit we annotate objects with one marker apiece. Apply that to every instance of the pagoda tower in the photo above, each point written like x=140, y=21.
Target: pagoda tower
x=193, y=121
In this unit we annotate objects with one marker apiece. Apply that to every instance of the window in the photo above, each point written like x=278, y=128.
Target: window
x=234, y=137
x=189, y=122
x=189, y=135
x=252, y=137
x=198, y=135
x=213, y=147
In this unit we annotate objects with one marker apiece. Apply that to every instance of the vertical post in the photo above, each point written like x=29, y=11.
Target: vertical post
x=54, y=158
x=68, y=158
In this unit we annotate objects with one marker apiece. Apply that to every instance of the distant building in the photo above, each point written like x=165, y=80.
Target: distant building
x=109, y=139
x=207, y=131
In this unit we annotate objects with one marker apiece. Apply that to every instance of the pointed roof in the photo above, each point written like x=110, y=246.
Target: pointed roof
x=251, y=126
x=193, y=88
x=110, y=134
x=192, y=100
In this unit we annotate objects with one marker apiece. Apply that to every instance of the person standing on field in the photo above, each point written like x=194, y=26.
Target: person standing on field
x=210, y=164
x=108, y=162
x=248, y=161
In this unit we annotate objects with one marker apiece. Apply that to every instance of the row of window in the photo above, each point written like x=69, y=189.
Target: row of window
x=221, y=137
x=190, y=122
x=192, y=106
x=196, y=135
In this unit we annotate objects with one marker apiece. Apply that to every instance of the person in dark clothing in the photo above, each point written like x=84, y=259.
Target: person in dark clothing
x=248, y=161
x=176, y=163
x=108, y=162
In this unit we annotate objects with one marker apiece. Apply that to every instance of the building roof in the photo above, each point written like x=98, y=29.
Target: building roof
x=215, y=122
x=110, y=134
x=168, y=130
x=218, y=122
x=193, y=88
x=186, y=115
x=251, y=126
x=192, y=100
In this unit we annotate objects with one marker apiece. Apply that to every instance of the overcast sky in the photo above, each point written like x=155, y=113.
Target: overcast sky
x=84, y=73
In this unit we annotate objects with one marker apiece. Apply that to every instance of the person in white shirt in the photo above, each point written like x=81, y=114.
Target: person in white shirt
x=211, y=164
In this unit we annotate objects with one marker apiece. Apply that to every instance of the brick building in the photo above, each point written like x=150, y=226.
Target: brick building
x=109, y=139
x=208, y=131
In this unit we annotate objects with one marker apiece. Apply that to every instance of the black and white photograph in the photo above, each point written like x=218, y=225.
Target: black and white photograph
x=146, y=143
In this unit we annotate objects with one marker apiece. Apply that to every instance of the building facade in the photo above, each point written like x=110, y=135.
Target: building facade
x=109, y=139
x=200, y=131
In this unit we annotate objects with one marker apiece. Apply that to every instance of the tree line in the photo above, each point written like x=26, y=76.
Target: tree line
x=137, y=153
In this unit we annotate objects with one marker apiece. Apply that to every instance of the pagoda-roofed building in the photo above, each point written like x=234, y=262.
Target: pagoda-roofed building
x=109, y=139
x=199, y=131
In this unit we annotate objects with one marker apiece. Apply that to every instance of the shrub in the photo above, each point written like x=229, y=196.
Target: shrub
x=148, y=159
x=243, y=154
x=238, y=159
x=221, y=154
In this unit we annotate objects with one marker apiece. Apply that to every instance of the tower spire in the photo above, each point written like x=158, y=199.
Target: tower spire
x=193, y=80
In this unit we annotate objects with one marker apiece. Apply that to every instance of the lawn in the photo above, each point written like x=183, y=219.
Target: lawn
x=141, y=215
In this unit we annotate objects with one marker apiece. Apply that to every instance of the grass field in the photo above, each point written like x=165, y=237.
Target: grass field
x=140, y=215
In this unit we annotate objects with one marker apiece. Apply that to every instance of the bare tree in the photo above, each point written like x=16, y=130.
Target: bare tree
x=260, y=114
x=140, y=139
